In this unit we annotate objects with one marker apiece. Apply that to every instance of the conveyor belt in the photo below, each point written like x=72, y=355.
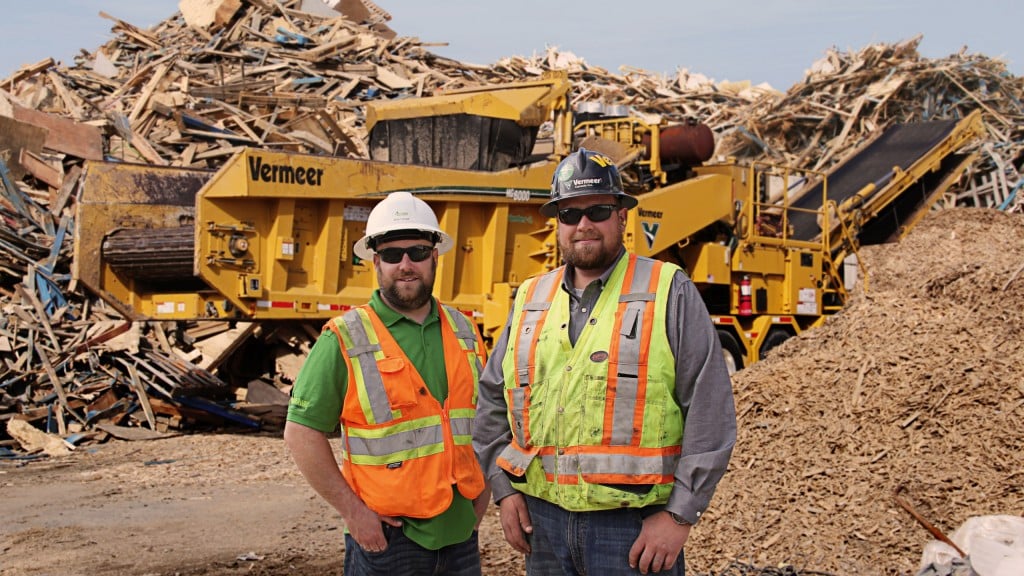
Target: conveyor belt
x=901, y=145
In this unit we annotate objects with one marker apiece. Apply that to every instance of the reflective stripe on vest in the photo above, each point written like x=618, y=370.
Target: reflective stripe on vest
x=644, y=465
x=405, y=441
x=466, y=335
x=364, y=354
x=636, y=309
x=538, y=301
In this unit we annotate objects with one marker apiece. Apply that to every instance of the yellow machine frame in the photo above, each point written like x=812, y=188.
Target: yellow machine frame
x=274, y=231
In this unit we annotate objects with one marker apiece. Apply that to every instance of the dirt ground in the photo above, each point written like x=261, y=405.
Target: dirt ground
x=914, y=388
x=188, y=505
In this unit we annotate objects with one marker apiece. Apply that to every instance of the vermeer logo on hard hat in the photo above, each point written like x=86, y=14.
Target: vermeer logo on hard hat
x=565, y=173
x=587, y=182
x=402, y=214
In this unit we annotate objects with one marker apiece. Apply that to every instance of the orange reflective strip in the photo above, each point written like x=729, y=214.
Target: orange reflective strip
x=573, y=476
x=613, y=352
x=645, y=350
x=531, y=297
x=518, y=342
x=620, y=479
x=549, y=297
x=626, y=450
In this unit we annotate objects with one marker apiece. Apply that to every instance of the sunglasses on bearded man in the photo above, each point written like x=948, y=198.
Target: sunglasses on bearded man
x=595, y=213
x=417, y=253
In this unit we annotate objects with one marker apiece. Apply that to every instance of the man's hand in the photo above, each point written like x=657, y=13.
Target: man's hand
x=480, y=504
x=515, y=521
x=313, y=455
x=364, y=526
x=658, y=546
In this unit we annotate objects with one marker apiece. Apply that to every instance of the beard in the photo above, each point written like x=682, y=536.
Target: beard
x=407, y=296
x=598, y=257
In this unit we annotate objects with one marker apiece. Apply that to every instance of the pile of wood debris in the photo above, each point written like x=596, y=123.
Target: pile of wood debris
x=847, y=98
x=914, y=390
x=196, y=88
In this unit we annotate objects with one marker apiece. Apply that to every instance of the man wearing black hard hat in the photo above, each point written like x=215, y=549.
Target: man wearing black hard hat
x=606, y=417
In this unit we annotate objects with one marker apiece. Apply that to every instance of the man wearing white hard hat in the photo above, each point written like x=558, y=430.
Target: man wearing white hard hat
x=399, y=375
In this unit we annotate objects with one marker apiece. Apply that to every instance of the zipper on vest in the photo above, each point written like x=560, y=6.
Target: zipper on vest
x=449, y=442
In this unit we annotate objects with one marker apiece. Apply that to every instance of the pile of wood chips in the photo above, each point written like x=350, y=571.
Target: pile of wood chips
x=197, y=87
x=916, y=388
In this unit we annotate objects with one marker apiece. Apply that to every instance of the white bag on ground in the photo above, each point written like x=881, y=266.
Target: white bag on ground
x=994, y=546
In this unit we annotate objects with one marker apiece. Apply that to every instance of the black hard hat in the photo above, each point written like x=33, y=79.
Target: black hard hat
x=585, y=173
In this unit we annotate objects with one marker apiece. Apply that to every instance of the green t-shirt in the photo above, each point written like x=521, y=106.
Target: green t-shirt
x=319, y=392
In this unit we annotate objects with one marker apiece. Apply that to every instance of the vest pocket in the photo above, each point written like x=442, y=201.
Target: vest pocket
x=655, y=422
x=401, y=389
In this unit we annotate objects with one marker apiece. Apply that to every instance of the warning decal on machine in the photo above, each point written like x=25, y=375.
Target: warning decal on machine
x=807, y=301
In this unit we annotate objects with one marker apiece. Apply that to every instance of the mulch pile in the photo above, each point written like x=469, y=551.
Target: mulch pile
x=916, y=389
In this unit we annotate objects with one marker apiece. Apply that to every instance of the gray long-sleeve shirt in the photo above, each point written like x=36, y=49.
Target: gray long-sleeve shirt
x=703, y=391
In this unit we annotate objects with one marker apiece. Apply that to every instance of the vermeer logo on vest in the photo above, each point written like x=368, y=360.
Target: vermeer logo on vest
x=283, y=173
x=599, y=356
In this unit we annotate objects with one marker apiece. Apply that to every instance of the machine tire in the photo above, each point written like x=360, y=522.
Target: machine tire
x=774, y=338
x=731, y=351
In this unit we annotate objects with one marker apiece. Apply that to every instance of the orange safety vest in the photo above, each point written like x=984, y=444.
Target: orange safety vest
x=401, y=449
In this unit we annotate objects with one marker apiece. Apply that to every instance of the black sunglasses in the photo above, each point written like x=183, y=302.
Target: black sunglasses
x=417, y=253
x=595, y=213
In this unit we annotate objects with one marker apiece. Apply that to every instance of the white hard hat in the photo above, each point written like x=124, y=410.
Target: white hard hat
x=401, y=212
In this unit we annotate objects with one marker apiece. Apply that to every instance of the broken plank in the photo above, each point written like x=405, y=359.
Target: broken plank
x=140, y=391
x=28, y=71
x=67, y=187
x=32, y=439
x=392, y=80
x=208, y=15
x=63, y=135
x=131, y=433
x=40, y=169
x=218, y=348
x=147, y=91
x=133, y=31
x=17, y=135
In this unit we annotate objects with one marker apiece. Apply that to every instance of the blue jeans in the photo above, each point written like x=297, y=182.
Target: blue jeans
x=403, y=557
x=584, y=543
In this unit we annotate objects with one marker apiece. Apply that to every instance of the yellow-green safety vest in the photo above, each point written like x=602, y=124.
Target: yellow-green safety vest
x=596, y=425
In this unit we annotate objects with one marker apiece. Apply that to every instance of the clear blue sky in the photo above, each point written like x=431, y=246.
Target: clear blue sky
x=757, y=40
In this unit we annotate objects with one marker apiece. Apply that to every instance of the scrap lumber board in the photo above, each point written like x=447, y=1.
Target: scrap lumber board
x=63, y=135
